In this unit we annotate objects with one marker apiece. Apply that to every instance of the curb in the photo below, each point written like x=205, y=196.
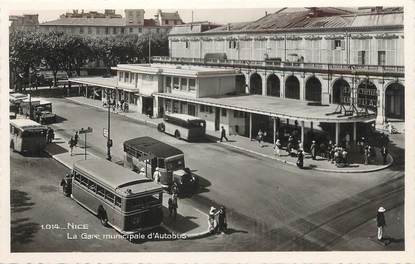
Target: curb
x=146, y=122
x=313, y=168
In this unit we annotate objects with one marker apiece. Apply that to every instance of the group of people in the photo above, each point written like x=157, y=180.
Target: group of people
x=120, y=105
x=217, y=220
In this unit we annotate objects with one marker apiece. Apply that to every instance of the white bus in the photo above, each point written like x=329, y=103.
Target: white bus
x=119, y=197
x=27, y=136
x=183, y=126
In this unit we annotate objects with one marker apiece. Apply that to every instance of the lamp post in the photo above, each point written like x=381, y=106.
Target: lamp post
x=109, y=141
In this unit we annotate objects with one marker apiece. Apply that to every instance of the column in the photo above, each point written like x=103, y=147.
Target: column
x=337, y=132
x=247, y=83
x=354, y=132
x=302, y=132
x=302, y=88
x=275, y=128
x=156, y=106
x=380, y=118
x=93, y=93
x=282, y=87
x=86, y=91
x=79, y=89
x=250, y=125
x=264, y=85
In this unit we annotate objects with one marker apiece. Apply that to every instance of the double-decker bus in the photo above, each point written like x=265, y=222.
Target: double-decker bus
x=27, y=136
x=149, y=154
x=119, y=197
x=183, y=126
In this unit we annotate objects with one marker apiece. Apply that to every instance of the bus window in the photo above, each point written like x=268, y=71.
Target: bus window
x=84, y=181
x=100, y=191
x=161, y=163
x=77, y=177
x=118, y=201
x=109, y=196
x=175, y=164
x=93, y=186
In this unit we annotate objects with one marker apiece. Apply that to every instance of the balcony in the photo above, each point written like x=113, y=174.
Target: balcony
x=376, y=70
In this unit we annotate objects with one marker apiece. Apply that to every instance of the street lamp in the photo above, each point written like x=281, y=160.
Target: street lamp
x=109, y=141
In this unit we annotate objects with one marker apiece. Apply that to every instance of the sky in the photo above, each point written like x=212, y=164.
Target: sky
x=220, y=16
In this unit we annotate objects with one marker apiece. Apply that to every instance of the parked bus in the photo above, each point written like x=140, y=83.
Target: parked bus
x=183, y=126
x=148, y=153
x=27, y=136
x=119, y=197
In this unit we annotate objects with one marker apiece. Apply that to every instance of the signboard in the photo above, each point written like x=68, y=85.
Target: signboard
x=84, y=131
x=105, y=132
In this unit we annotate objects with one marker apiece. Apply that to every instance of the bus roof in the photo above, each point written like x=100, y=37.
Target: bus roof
x=152, y=146
x=25, y=123
x=116, y=177
x=183, y=116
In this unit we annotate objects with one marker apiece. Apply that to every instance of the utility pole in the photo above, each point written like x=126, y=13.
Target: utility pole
x=149, y=47
x=109, y=141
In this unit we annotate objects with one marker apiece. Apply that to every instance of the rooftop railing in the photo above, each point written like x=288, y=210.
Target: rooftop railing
x=285, y=64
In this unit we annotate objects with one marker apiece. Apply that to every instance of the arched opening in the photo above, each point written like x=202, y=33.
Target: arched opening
x=341, y=92
x=273, y=86
x=255, y=84
x=367, y=96
x=292, y=88
x=240, y=84
x=395, y=101
x=313, y=90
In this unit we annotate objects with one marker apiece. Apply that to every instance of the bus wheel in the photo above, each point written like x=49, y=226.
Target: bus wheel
x=102, y=216
x=161, y=127
x=177, y=134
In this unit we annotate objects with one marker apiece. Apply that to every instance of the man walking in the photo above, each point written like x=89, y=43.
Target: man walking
x=76, y=138
x=173, y=205
x=156, y=175
x=384, y=152
x=223, y=134
x=71, y=144
x=313, y=149
x=277, y=148
x=380, y=221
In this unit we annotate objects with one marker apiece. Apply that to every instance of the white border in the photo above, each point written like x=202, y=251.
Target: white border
x=257, y=257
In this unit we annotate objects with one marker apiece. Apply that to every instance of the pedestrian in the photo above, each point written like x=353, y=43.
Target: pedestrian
x=157, y=175
x=313, y=149
x=49, y=135
x=260, y=137
x=300, y=159
x=380, y=222
x=223, y=134
x=329, y=148
x=173, y=205
x=384, y=152
x=323, y=150
x=347, y=139
x=289, y=144
x=366, y=155
x=222, y=224
x=76, y=138
x=212, y=220
x=300, y=145
x=277, y=148
x=345, y=157
x=333, y=152
x=71, y=144
x=66, y=184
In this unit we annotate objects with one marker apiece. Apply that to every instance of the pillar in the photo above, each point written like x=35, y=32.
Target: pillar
x=354, y=132
x=79, y=89
x=250, y=125
x=264, y=85
x=337, y=132
x=93, y=93
x=380, y=118
x=302, y=132
x=156, y=106
x=86, y=91
x=275, y=128
x=247, y=83
x=302, y=88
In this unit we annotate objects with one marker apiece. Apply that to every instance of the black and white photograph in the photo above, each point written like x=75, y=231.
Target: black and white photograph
x=226, y=129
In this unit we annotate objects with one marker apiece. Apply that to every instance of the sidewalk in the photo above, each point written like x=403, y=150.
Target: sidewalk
x=190, y=221
x=246, y=145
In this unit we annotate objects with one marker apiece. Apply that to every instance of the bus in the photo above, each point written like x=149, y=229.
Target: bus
x=27, y=136
x=183, y=126
x=117, y=196
x=148, y=153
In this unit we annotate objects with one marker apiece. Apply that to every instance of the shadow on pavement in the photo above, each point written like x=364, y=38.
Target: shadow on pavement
x=23, y=231
x=181, y=224
x=55, y=149
x=20, y=201
x=203, y=185
x=390, y=240
x=230, y=231
x=59, y=119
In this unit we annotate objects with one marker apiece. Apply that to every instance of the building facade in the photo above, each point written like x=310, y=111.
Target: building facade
x=320, y=55
x=97, y=24
x=27, y=22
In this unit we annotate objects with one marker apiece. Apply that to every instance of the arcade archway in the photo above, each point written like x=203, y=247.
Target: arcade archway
x=292, y=88
x=313, y=90
x=367, y=96
x=341, y=92
x=240, y=83
x=395, y=101
x=273, y=86
x=255, y=84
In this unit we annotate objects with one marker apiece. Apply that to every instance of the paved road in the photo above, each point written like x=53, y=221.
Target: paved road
x=271, y=206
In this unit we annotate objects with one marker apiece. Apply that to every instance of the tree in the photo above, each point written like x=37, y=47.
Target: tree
x=53, y=52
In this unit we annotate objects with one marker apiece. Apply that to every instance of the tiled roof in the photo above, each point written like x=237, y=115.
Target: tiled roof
x=115, y=22
x=302, y=18
x=171, y=16
x=149, y=22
